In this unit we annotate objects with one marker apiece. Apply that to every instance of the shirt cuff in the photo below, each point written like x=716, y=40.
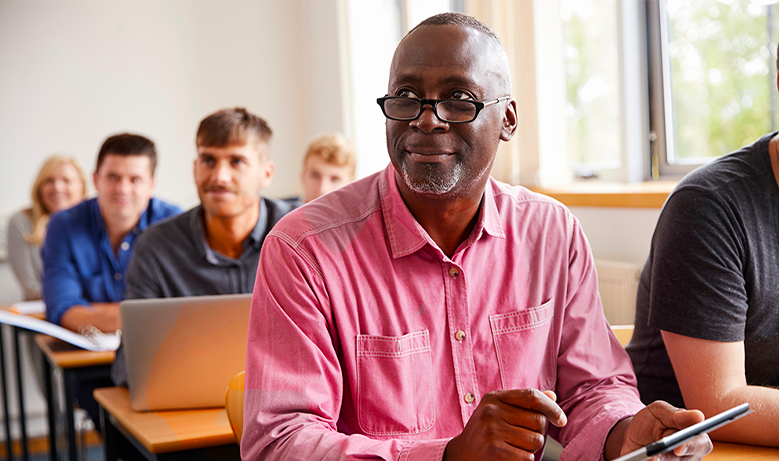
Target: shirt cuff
x=424, y=450
x=590, y=443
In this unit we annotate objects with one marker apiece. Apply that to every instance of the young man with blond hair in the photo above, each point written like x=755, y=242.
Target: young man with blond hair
x=329, y=163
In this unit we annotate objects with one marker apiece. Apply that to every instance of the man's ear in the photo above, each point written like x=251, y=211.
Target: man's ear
x=509, y=121
x=268, y=169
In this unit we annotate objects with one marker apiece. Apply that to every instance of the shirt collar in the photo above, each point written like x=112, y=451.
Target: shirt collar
x=143, y=221
x=406, y=235
x=197, y=224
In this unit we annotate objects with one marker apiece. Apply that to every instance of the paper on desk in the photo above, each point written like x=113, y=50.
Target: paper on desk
x=29, y=307
x=100, y=342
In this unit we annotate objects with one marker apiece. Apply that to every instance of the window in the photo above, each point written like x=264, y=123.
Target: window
x=713, y=78
x=704, y=83
x=592, y=109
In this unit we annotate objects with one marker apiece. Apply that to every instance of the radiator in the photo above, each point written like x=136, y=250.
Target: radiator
x=618, y=284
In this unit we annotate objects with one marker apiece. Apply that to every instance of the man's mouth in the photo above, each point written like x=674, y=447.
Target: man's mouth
x=428, y=155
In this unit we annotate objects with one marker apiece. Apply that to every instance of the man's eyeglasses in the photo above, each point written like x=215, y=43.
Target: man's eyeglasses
x=447, y=110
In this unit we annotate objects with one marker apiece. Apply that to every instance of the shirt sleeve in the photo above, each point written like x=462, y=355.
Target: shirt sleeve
x=294, y=382
x=697, y=280
x=596, y=386
x=62, y=287
x=21, y=255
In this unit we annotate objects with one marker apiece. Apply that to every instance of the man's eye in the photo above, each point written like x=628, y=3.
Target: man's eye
x=460, y=95
x=407, y=94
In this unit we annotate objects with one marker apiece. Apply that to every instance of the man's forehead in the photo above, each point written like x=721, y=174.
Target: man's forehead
x=119, y=163
x=464, y=55
x=260, y=148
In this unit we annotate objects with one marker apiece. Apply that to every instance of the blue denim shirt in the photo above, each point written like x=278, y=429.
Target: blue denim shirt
x=79, y=265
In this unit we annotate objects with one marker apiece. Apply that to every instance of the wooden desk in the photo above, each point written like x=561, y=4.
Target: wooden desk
x=162, y=435
x=737, y=452
x=76, y=364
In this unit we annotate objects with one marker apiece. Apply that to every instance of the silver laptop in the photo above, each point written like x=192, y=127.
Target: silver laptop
x=182, y=352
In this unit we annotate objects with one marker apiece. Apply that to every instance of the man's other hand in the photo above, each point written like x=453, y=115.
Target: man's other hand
x=656, y=421
x=507, y=424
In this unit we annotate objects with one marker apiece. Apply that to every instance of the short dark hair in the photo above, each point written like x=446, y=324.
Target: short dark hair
x=232, y=127
x=459, y=19
x=126, y=144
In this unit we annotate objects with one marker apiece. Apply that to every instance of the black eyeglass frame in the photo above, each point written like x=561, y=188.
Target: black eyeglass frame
x=434, y=104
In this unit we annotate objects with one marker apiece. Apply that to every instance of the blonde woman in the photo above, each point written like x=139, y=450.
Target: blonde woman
x=60, y=185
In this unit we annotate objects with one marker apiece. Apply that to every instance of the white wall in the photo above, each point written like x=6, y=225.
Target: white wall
x=618, y=234
x=74, y=72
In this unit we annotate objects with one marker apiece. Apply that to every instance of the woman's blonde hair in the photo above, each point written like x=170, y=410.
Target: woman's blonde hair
x=38, y=213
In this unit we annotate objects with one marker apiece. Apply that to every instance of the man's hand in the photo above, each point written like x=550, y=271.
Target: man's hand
x=103, y=316
x=654, y=422
x=507, y=424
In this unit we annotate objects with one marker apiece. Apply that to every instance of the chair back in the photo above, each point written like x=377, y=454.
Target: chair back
x=234, y=404
x=623, y=333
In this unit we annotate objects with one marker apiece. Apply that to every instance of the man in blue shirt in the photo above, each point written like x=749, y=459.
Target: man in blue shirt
x=88, y=247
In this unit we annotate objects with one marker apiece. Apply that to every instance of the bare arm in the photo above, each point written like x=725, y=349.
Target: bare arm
x=712, y=378
x=103, y=316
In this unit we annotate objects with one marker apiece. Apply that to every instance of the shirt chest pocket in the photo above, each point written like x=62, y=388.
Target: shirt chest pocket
x=395, y=384
x=524, y=349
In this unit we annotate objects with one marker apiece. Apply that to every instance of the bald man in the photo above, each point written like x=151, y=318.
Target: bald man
x=429, y=311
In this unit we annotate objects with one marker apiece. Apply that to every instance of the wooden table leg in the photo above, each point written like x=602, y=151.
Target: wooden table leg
x=8, y=441
x=20, y=385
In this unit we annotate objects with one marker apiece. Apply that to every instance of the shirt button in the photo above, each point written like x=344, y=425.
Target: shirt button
x=124, y=246
x=118, y=276
x=454, y=272
x=469, y=398
x=460, y=335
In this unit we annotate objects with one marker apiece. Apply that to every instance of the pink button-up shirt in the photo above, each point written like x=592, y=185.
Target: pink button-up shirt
x=367, y=342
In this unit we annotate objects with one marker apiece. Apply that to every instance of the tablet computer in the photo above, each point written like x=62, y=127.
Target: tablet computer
x=672, y=441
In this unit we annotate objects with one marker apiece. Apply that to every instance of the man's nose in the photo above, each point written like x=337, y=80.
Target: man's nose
x=124, y=185
x=428, y=121
x=222, y=172
x=323, y=187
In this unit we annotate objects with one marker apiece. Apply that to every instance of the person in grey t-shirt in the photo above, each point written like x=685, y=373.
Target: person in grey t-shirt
x=707, y=314
x=213, y=248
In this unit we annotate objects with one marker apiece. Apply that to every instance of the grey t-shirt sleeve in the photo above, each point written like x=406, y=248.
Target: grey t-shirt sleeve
x=697, y=284
x=25, y=258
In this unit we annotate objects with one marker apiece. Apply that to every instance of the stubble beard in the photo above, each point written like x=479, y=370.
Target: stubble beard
x=430, y=180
